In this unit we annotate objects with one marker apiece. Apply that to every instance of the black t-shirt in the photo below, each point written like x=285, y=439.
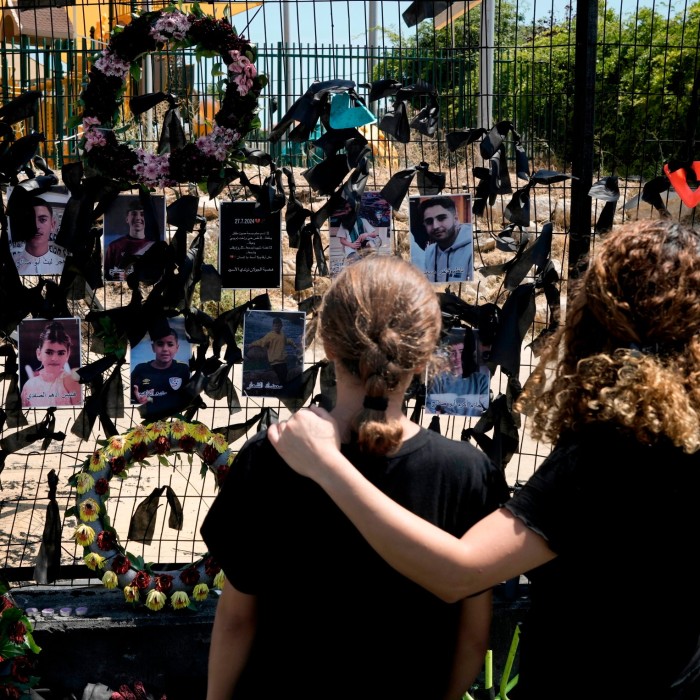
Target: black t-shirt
x=334, y=620
x=618, y=611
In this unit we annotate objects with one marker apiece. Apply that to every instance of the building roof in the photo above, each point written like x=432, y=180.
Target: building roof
x=40, y=22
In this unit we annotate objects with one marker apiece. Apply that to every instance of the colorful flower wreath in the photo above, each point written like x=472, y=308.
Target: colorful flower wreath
x=136, y=578
x=17, y=648
x=205, y=160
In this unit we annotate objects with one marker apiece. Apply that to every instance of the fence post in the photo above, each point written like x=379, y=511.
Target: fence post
x=582, y=142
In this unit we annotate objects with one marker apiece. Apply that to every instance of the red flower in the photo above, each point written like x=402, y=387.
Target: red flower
x=120, y=564
x=164, y=583
x=101, y=487
x=221, y=474
x=187, y=443
x=210, y=454
x=117, y=465
x=106, y=540
x=21, y=669
x=5, y=603
x=16, y=631
x=211, y=568
x=139, y=452
x=162, y=444
x=142, y=580
x=9, y=692
x=189, y=576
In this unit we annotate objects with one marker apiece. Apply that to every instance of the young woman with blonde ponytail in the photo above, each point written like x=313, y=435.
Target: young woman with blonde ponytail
x=308, y=609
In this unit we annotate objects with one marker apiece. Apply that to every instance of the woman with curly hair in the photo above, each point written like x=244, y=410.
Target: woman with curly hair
x=315, y=613
x=606, y=527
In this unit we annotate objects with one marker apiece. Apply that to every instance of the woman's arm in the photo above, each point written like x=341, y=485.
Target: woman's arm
x=496, y=549
x=231, y=641
x=472, y=643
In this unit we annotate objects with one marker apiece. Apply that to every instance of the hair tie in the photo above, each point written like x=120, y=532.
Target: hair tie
x=375, y=403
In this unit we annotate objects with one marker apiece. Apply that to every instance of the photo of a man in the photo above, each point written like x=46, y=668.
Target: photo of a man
x=353, y=236
x=451, y=393
x=442, y=237
x=140, y=234
x=39, y=254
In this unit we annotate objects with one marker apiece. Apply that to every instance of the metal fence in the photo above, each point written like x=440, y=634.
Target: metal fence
x=594, y=90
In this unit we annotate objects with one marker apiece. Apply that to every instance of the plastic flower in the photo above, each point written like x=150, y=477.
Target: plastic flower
x=138, y=433
x=110, y=580
x=16, y=632
x=110, y=64
x=97, y=461
x=200, y=592
x=131, y=594
x=155, y=600
x=164, y=583
x=178, y=428
x=101, y=487
x=115, y=447
x=142, y=580
x=190, y=575
x=84, y=482
x=89, y=510
x=179, y=600
x=199, y=432
x=106, y=540
x=219, y=580
x=219, y=441
x=120, y=564
x=162, y=444
x=157, y=429
x=94, y=561
x=84, y=535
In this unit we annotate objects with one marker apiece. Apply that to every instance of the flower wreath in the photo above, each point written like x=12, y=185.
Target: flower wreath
x=94, y=532
x=17, y=647
x=209, y=156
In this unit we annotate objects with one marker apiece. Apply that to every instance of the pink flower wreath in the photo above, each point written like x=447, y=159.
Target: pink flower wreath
x=211, y=160
x=139, y=582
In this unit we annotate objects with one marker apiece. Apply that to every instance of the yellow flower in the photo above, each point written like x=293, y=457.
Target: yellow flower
x=89, y=510
x=157, y=429
x=97, y=461
x=199, y=432
x=116, y=446
x=219, y=442
x=94, y=561
x=230, y=459
x=156, y=600
x=84, y=482
x=110, y=580
x=131, y=594
x=178, y=428
x=200, y=592
x=137, y=434
x=84, y=535
x=219, y=580
x=179, y=600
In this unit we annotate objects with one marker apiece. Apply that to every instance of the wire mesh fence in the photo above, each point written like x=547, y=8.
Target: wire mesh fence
x=592, y=92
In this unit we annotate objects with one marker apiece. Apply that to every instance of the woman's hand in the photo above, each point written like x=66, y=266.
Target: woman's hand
x=304, y=440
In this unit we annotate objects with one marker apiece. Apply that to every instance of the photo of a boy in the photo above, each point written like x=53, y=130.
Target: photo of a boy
x=38, y=253
x=157, y=383
x=273, y=351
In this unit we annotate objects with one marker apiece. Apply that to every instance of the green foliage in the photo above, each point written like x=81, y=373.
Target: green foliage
x=645, y=66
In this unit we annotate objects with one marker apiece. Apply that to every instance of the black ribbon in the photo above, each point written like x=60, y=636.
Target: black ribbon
x=48, y=561
x=143, y=521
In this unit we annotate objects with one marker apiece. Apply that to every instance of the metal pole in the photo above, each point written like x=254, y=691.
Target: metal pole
x=286, y=36
x=583, y=123
x=485, y=103
x=371, y=40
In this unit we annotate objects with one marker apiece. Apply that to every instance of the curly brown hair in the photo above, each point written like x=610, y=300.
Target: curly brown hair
x=381, y=319
x=629, y=351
